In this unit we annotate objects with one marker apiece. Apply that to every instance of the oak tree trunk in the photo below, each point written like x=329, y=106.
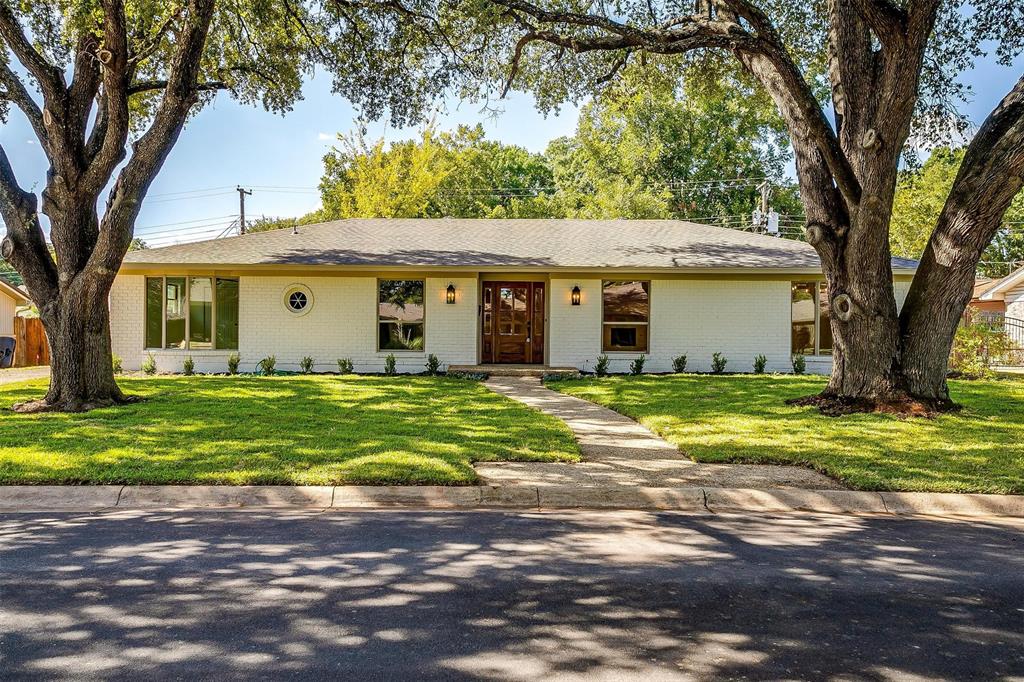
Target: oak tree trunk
x=81, y=371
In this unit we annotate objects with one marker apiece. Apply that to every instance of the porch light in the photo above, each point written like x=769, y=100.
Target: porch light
x=450, y=294
x=576, y=295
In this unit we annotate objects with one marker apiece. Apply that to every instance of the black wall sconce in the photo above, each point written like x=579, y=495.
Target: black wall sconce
x=450, y=294
x=576, y=295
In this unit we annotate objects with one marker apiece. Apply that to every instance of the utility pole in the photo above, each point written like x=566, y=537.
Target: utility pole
x=241, y=208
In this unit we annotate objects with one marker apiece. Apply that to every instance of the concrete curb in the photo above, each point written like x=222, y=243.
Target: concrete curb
x=702, y=500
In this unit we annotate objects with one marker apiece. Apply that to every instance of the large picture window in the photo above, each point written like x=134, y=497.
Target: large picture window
x=811, y=329
x=191, y=312
x=400, y=314
x=625, y=311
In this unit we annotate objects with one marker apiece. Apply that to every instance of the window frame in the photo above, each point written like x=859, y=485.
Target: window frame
x=819, y=286
x=377, y=320
x=647, y=323
x=187, y=303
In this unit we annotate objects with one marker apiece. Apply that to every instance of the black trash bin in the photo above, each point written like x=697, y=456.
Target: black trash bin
x=7, y=344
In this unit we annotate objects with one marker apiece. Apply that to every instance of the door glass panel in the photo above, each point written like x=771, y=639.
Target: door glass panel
x=174, y=294
x=488, y=318
x=520, y=314
x=505, y=304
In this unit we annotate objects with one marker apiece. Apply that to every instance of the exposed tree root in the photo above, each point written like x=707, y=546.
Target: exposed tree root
x=43, y=405
x=901, y=405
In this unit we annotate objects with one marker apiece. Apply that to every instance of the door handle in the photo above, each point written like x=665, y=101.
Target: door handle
x=529, y=330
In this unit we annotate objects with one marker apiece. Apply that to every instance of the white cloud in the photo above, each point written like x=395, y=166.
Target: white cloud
x=30, y=141
x=324, y=137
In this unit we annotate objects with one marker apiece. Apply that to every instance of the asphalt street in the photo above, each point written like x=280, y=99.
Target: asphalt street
x=507, y=595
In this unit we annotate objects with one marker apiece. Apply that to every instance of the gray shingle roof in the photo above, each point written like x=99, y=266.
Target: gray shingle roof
x=473, y=243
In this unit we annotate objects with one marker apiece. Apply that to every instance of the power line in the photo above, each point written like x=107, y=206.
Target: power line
x=185, y=222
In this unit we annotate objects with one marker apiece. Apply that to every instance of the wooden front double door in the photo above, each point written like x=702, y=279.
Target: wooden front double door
x=512, y=323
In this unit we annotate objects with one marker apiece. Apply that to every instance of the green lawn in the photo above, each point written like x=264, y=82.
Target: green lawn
x=744, y=419
x=283, y=430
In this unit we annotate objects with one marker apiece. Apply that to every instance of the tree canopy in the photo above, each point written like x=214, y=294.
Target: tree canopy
x=654, y=146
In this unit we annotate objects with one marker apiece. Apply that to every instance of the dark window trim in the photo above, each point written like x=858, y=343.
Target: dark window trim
x=376, y=314
x=650, y=295
x=818, y=285
x=188, y=323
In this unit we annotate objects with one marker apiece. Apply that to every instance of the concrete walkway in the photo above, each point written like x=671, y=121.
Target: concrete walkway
x=618, y=451
x=10, y=376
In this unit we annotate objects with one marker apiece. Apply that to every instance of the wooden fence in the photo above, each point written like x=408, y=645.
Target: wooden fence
x=32, y=347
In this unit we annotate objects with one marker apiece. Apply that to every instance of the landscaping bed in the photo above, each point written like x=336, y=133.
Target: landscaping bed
x=277, y=430
x=744, y=418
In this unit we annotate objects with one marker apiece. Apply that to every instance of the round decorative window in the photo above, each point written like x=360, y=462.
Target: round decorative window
x=298, y=299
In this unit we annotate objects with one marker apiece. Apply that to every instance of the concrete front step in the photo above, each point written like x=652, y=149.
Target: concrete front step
x=514, y=370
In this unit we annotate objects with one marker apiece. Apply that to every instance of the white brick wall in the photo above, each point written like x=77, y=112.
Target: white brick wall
x=737, y=318
x=698, y=317
x=341, y=323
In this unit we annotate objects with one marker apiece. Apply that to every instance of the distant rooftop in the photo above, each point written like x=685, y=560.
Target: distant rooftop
x=481, y=243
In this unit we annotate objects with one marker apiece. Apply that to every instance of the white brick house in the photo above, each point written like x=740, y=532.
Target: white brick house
x=557, y=293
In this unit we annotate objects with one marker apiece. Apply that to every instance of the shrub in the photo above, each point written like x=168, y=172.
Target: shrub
x=389, y=365
x=718, y=362
x=116, y=362
x=759, y=363
x=149, y=364
x=976, y=345
x=799, y=364
x=345, y=366
x=637, y=366
x=306, y=365
x=601, y=368
x=188, y=367
x=267, y=365
x=679, y=364
x=233, y=361
x=433, y=365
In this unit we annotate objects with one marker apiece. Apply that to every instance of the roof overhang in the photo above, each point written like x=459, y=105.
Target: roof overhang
x=1000, y=287
x=14, y=292
x=139, y=268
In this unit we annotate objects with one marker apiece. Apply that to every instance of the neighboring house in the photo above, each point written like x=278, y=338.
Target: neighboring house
x=11, y=298
x=990, y=306
x=1004, y=295
x=544, y=292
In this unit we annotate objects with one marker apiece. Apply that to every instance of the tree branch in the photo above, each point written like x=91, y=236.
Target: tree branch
x=25, y=245
x=990, y=176
x=50, y=78
x=694, y=32
x=888, y=21
x=17, y=92
x=148, y=86
x=115, y=98
x=152, y=148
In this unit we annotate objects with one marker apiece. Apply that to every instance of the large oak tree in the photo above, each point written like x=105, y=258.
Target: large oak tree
x=107, y=86
x=853, y=79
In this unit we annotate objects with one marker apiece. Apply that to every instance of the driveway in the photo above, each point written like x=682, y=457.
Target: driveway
x=9, y=376
x=493, y=595
x=618, y=451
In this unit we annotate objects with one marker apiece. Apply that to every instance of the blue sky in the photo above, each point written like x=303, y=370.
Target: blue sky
x=227, y=144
